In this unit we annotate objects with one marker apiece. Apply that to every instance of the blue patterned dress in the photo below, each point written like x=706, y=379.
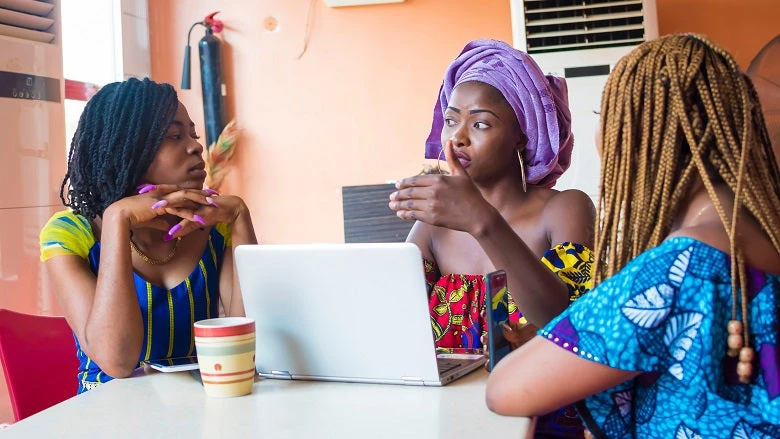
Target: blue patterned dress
x=168, y=314
x=665, y=314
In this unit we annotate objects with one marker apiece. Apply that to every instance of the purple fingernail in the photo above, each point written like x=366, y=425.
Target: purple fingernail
x=212, y=202
x=138, y=188
x=174, y=229
x=160, y=203
x=168, y=237
x=210, y=191
x=199, y=219
x=147, y=188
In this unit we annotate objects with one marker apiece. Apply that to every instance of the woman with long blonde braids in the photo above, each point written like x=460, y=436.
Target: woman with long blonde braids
x=680, y=336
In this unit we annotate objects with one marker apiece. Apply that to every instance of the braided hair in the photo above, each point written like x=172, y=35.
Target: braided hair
x=117, y=138
x=672, y=109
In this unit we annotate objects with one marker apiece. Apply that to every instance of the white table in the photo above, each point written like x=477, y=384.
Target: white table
x=173, y=405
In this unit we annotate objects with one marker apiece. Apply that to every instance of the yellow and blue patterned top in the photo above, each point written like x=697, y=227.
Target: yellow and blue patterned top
x=168, y=314
x=572, y=263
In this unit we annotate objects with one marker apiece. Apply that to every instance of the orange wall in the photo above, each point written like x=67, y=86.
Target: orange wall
x=742, y=27
x=355, y=109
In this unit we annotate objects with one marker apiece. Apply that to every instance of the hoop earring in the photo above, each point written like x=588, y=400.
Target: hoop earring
x=522, y=168
x=438, y=160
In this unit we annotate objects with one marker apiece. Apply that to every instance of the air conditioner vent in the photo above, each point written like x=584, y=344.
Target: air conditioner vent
x=30, y=20
x=555, y=25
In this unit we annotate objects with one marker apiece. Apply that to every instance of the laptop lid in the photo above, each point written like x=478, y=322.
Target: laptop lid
x=339, y=312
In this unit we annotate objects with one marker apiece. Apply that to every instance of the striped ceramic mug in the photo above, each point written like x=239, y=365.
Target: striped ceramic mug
x=226, y=355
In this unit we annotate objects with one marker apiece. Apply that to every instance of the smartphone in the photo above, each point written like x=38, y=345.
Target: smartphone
x=497, y=314
x=174, y=364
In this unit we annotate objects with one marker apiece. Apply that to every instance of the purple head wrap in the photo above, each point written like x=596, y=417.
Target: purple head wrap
x=540, y=103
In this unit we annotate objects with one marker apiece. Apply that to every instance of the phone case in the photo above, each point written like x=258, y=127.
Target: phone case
x=497, y=313
x=174, y=364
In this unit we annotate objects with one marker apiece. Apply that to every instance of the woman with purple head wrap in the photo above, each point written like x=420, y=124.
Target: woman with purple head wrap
x=505, y=131
x=540, y=103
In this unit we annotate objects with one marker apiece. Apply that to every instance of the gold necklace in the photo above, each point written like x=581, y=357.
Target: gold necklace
x=150, y=260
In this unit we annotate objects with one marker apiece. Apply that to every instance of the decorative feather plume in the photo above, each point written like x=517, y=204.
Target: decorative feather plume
x=219, y=153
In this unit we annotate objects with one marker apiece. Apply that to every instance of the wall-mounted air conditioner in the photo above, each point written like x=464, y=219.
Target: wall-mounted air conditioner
x=581, y=40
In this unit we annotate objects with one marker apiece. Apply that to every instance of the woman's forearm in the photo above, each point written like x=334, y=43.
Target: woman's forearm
x=242, y=232
x=114, y=329
x=538, y=292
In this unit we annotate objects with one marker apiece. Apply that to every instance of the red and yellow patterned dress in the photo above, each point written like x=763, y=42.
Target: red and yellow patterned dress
x=456, y=302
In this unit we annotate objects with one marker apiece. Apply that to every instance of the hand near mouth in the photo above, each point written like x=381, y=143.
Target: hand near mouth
x=451, y=201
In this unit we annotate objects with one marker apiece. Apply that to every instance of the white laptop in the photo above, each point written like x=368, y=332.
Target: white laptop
x=344, y=312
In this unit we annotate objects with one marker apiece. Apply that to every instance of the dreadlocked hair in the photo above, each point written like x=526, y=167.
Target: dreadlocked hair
x=117, y=138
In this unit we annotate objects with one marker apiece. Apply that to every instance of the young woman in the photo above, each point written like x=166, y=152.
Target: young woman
x=144, y=250
x=680, y=336
x=504, y=128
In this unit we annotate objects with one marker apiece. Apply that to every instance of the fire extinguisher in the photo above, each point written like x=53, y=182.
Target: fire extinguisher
x=212, y=82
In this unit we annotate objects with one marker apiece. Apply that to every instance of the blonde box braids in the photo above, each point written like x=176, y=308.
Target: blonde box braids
x=674, y=108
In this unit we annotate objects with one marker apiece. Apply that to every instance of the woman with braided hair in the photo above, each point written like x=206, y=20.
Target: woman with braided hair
x=139, y=212
x=679, y=338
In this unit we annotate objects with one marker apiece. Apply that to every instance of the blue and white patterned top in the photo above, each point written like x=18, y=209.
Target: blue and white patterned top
x=665, y=314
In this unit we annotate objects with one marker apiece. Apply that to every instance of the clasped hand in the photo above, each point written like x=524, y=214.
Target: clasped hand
x=195, y=208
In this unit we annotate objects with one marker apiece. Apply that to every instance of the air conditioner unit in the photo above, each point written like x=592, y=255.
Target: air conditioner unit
x=32, y=148
x=581, y=40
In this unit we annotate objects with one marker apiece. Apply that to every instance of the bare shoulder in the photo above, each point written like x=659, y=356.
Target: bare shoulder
x=570, y=200
x=570, y=216
x=714, y=235
x=422, y=235
x=569, y=205
x=761, y=254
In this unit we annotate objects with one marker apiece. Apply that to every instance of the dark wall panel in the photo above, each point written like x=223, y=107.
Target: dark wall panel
x=367, y=218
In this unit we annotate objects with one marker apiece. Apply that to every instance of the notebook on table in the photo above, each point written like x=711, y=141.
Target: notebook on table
x=344, y=312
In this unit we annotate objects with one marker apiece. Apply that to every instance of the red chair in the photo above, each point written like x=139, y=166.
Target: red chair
x=39, y=361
